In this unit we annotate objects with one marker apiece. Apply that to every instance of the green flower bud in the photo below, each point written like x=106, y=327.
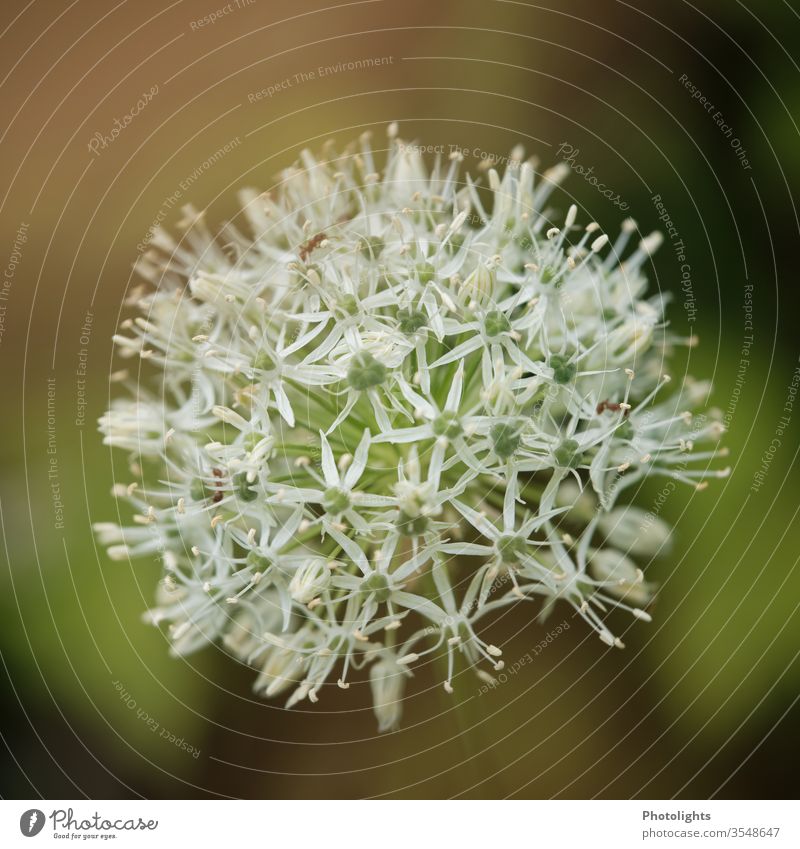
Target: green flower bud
x=568, y=455
x=496, y=323
x=511, y=549
x=377, y=584
x=411, y=321
x=506, y=438
x=563, y=370
x=366, y=372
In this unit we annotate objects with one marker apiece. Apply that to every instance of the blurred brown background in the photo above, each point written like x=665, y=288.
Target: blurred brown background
x=703, y=701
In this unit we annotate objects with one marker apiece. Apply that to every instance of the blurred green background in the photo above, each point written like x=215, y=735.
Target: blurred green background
x=703, y=701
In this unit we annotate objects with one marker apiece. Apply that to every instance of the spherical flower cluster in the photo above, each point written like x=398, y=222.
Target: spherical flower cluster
x=388, y=405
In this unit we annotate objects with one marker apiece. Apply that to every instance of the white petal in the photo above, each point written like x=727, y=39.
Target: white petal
x=470, y=549
x=454, y=395
x=405, y=434
x=359, y=461
x=351, y=549
x=476, y=520
x=329, y=470
x=283, y=405
x=459, y=352
x=288, y=530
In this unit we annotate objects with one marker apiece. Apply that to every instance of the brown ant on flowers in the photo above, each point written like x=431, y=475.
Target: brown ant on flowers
x=218, y=494
x=313, y=242
x=613, y=407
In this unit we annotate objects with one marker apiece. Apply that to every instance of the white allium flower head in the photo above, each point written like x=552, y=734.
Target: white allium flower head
x=382, y=409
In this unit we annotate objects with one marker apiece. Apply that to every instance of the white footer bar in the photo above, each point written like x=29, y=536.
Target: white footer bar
x=400, y=824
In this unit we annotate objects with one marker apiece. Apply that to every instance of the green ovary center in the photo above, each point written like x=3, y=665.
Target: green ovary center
x=376, y=583
x=568, y=455
x=335, y=501
x=511, y=549
x=366, y=372
x=506, y=438
x=496, y=323
x=447, y=424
